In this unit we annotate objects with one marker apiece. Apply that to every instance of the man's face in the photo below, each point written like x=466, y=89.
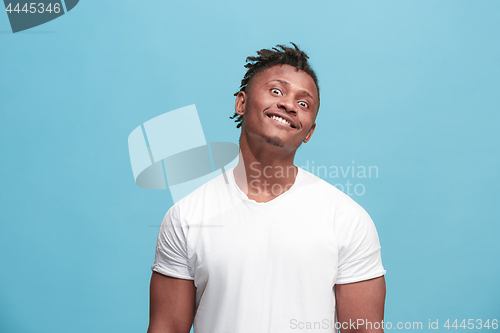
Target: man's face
x=280, y=105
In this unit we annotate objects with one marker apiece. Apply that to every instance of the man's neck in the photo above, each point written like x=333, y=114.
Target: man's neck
x=264, y=172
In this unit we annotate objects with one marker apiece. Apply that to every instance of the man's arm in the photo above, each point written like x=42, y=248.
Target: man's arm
x=363, y=301
x=171, y=304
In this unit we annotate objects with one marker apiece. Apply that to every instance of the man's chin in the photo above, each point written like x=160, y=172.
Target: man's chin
x=275, y=141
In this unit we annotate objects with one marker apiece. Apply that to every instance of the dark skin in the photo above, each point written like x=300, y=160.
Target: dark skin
x=171, y=304
x=361, y=300
x=268, y=145
x=279, y=106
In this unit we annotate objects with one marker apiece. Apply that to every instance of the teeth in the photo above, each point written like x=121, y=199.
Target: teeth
x=281, y=120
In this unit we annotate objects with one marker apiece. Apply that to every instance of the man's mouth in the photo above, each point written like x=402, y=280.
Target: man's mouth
x=281, y=120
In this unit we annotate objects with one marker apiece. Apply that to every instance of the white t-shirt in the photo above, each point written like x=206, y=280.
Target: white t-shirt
x=267, y=267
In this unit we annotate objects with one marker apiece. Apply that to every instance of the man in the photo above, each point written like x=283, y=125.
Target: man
x=269, y=247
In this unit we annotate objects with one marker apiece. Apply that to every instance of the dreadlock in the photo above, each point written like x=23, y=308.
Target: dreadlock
x=279, y=55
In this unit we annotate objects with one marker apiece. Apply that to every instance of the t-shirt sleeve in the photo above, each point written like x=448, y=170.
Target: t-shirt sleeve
x=171, y=249
x=359, y=248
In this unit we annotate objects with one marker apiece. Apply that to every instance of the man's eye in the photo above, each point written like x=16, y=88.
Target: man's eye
x=304, y=104
x=276, y=91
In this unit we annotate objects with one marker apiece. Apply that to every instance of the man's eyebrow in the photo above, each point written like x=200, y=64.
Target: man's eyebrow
x=282, y=81
x=288, y=83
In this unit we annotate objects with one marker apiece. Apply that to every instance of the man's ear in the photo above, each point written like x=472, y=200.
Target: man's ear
x=240, y=103
x=310, y=133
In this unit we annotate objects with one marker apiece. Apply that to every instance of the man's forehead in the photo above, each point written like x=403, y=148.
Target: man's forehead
x=288, y=75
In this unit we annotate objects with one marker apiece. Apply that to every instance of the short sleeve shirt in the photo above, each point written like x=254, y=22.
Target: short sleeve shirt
x=264, y=267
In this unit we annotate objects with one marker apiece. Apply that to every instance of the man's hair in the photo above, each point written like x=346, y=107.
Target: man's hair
x=279, y=55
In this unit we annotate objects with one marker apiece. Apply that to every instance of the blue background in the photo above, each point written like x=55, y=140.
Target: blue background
x=411, y=87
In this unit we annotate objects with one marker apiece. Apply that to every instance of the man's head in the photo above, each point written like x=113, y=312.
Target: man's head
x=279, y=55
x=278, y=100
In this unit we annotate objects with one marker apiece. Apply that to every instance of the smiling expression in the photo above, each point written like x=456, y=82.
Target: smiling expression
x=280, y=106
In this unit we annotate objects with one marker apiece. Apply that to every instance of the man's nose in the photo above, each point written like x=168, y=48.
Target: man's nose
x=287, y=103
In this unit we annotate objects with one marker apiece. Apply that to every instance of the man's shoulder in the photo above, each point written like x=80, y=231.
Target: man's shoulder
x=210, y=188
x=212, y=194
x=319, y=189
x=315, y=184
